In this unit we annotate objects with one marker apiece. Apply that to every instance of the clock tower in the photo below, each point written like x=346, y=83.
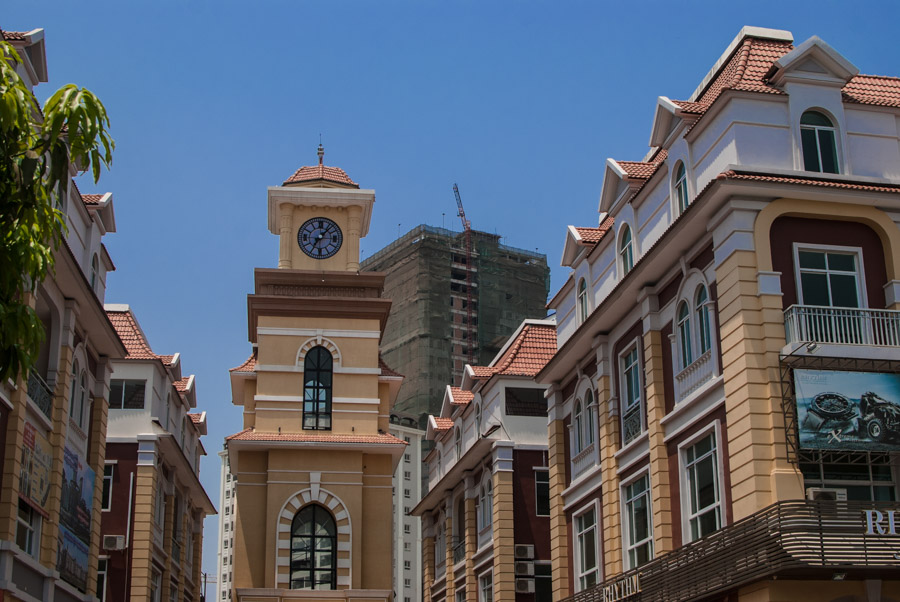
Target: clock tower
x=314, y=459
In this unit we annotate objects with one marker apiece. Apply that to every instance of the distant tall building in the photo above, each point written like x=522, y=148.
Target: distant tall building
x=225, y=556
x=407, y=488
x=427, y=337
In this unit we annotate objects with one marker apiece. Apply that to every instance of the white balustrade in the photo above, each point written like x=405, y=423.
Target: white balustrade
x=842, y=326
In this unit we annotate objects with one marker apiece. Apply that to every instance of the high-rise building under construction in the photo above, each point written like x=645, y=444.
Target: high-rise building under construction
x=436, y=325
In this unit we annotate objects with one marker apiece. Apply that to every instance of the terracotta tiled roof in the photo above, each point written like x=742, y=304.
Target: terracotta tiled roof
x=809, y=181
x=385, y=369
x=591, y=236
x=91, y=200
x=195, y=418
x=442, y=424
x=248, y=366
x=181, y=384
x=873, y=90
x=128, y=330
x=690, y=107
x=533, y=348
x=315, y=437
x=459, y=397
x=312, y=173
x=166, y=359
x=10, y=36
x=638, y=170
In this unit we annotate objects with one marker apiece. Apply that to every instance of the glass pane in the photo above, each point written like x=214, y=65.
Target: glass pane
x=828, y=150
x=814, y=288
x=812, y=259
x=843, y=291
x=842, y=262
x=815, y=118
x=884, y=494
x=589, y=551
x=706, y=482
x=810, y=150
x=134, y=395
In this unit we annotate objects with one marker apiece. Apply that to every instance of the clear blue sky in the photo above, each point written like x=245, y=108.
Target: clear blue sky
x=519, y=102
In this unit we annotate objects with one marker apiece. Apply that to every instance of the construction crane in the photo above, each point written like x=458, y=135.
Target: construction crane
x=471, y=333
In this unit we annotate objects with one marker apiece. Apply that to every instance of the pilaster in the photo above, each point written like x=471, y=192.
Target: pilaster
x=354, y=215
x=450, y=578
x=147, y=479
x=96, y=458
x=168, y=540
x=559, y=535
x=659, y=457
x=284, y=235
x=608, y=416
x=471, y=531
x=503, y=528
x=428, y=568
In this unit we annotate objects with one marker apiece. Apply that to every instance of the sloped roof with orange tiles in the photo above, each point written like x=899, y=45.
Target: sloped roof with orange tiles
x=10, y=36
x=315, y=437
x=166, y=359
x=442, y=424
x=385, y=369
x=533, y=348
x=459, y=397
x=873, y=90
x=591, y=236
x=91, y=199
x=809, y=181
x=182, y=383
x=312, y=173
x=249, y=365
x=195, y=418
x=128, y=330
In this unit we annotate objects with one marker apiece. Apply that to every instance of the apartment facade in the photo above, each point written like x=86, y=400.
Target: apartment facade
x=152, y=502
x=722, y=400
x=225, y=555
x=315, y=459
x=407, y=491
x=53, y=419
x=485, y=518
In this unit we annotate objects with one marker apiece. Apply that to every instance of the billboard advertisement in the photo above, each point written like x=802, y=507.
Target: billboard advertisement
x=75, y=518
x=34, y=476
x=856, y=411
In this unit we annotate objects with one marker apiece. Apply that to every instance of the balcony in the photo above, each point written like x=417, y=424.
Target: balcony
x=842, y=326
x=790, y=539
x=584, y=460
x=40, y=393
x=700, y=371
x=459, y=549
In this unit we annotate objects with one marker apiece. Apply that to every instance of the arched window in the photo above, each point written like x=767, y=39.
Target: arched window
x=485, y=503
x=478, y=421
x=626, y=250
x=458, y=440
x=317, y=369
x=588, y=423
x=78, y=396
x=702, y=311
x=582, y=301
x=95, y=272
x=681, y=191
x=73, y=390
x=684, y=334
x=313, y=549
x=817, y=137
x=579, y=419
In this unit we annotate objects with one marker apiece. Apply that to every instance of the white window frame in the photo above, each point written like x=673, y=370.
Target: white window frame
x=582, y=299
x=101, y=591
x=687, y=514
x=544, y=470
x=597, y=570
x=625, y=259
x=627, y=544
x=838, y=159
x=624, y=403
x=683, y=334
x=680, y=192
x=703, y=316
x=818, y=248
x=486, y=586
x=485, y=512
x=106, y=504
x=32, y=527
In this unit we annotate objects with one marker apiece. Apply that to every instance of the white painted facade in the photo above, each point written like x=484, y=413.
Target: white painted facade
x=407, y=487
x=225, y=554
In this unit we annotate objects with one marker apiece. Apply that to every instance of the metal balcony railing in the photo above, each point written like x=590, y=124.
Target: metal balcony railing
x=40, y=393
x=459, y=549
x=842, y=325
x=787, y=539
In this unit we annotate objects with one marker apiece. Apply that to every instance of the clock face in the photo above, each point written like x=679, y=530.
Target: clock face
x=320, y=238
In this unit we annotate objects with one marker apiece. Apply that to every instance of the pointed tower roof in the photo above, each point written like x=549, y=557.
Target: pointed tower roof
x=321, y=176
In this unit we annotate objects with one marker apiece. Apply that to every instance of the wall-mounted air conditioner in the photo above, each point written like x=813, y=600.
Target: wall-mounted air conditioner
x=113, y=542
x=524, y=586
x=826, y=494
x=524, y=551
x=524, y=568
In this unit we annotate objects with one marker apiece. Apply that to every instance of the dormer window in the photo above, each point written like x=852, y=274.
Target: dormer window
x=626, y=250
x=582, y=301
x=680, y=188
x=817, y=136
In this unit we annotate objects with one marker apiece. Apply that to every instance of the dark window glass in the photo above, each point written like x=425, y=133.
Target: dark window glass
x=313, y=549
x=126, y=394
x=542, y=492
x=317, y=371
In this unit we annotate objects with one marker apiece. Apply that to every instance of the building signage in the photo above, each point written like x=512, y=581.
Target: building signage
x=75, y=518
x=882, y=523
x=34, y=476
x=621, y=589
x=839, y=410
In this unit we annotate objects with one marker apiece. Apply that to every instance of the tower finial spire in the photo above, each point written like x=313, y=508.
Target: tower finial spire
x=321, y=150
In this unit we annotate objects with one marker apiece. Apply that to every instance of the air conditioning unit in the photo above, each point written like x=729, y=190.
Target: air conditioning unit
x=525, y=586
x=524, y=551
x=524, y=568
x=113, y=542
x=826, y=494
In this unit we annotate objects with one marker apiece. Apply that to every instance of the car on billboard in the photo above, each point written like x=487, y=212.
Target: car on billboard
x=878, y=417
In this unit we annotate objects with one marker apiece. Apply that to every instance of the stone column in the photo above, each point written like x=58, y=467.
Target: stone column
x=559, y=535
x=502, y=523
x=449, y=580
x=428, y=561
x=285, y=235
x=354, y=215
x=147, y=480
x=659, y=457
x=97, y=460
x=471, y=533
x=608, y=417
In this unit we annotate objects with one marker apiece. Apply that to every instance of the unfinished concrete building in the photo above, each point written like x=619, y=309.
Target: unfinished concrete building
x=433, y=330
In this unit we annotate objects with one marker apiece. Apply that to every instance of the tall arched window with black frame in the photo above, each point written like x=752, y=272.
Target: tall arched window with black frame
x=317, y=376
x=313, y=549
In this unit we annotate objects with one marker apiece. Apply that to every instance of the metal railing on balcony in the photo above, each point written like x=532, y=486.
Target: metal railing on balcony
x=842, y=325
x=698, y=372
x=459, y=549
x=40, y=393
x=787, y=539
